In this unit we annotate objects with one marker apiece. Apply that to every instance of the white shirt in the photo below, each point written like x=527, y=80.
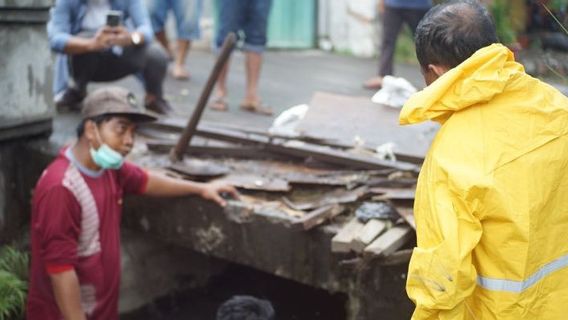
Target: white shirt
x=96, y=14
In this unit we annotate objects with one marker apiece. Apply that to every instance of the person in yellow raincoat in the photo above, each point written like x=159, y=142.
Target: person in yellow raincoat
x=492, y=199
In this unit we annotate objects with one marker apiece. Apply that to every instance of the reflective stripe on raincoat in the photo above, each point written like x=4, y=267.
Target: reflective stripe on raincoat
x=492, y=200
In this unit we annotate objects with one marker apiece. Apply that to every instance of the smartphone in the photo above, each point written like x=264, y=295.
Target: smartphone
x=113, y=18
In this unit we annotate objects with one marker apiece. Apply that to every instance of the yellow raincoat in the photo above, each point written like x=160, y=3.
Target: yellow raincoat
x=492, y=201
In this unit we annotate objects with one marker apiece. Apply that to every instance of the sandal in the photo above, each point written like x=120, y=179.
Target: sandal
x=257, y=107
x=374, y=83
x=219, y=104
x=180, y=73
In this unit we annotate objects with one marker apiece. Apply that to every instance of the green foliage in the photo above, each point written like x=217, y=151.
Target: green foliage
x=14, y=262
x=405, y=51
x=558, y=5
x=13, y=283
x=12, y=296
x=500, y=9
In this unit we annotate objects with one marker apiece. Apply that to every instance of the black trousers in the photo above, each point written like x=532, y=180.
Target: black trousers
x=149, y=62
x=393, y=19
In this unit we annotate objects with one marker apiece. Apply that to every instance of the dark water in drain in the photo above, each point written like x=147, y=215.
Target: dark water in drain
x=291, y=300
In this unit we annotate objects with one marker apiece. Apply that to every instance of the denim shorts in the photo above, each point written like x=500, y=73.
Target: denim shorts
x=247, y=18
x=186, y=13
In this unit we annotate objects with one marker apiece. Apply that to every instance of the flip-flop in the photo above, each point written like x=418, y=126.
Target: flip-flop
x=219, y=104
x=257, y=107
x=373, y=84
x=183, y=75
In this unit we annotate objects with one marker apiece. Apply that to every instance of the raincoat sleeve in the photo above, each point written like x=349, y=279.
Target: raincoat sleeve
x=441, y=274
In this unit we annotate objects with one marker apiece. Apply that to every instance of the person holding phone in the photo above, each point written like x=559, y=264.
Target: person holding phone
x=105, y=40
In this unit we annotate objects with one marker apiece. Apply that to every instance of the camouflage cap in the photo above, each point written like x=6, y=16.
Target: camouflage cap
x=114, y=101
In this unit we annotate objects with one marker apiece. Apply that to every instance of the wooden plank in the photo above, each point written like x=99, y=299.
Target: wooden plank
x=199, y=168
x=339, y=157
x=394, y=193
x=372, y=229
x=341, y=242
x=302, y=149
x=251, y=181
x=390, y=241
x=318, y=216
x=336, y=197
x=408, y=215
x=175, y=125
x=374, y=124
x=248, y=152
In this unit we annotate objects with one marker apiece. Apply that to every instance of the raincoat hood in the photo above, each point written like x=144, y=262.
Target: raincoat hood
x=476, y=80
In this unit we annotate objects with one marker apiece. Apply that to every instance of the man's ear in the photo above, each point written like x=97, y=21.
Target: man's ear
x=89, y=132
x=437, y=69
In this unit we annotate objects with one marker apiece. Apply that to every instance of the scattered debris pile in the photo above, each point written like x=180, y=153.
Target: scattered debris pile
x=303, y=181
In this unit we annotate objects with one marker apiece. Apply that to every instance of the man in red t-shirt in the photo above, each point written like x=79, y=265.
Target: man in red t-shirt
x=77, y=204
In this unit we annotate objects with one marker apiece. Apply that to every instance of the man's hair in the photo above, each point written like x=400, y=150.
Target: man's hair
x=96, y=119
x=245, y=308
x=453, y=31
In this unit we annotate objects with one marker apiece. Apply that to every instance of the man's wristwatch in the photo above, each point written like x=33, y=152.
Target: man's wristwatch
x=136, y=38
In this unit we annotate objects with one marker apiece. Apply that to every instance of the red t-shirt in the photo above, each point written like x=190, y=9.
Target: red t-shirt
x=75, y=224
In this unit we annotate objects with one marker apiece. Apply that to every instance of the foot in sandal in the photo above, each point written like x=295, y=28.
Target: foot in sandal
x=256, y=107
x=180, y=73
x=219, y=104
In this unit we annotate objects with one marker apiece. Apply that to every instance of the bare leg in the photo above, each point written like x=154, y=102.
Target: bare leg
x=219, y=103
x=253, y=66
x=252, y=100
x=180, y=71
x=163, y=39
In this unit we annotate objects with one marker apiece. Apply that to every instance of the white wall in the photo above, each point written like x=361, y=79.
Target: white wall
x=349, y=26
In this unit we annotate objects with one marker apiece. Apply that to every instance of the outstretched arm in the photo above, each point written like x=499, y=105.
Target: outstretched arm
x=163, y=186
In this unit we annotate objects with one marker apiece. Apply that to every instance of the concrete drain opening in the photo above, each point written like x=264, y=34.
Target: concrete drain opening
x=291, y=300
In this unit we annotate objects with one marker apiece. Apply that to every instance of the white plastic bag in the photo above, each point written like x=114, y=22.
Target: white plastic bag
x=394, y=93
x=287, y=122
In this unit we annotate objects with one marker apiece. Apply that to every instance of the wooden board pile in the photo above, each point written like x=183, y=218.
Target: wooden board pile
x=307, y=180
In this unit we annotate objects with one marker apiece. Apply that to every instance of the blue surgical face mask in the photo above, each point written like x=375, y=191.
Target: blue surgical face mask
x=105, y=157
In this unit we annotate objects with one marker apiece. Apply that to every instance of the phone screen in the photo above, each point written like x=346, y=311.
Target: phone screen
x=113, y=18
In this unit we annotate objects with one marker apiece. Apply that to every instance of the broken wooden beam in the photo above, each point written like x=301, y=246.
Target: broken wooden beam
x=236, y=151
x=392, y=240
x=337, y=197
x=178, y=151
x=318, y=216
x=393, y=193
x=408, y=215
x=338, y=157
x=302, y=149
x=372, y=229
x=252, y=181
x=341, y=242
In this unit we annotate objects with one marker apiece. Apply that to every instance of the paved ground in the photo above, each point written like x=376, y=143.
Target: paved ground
x=288, y=78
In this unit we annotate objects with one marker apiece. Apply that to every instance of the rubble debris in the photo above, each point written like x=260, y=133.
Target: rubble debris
x=250, y=181
x=199, y=168
x=392, y=240
x=408, y=215
x=342, y=241
x=376, y=210
x=338, y=196
x=372, y=229
x=319, y=216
